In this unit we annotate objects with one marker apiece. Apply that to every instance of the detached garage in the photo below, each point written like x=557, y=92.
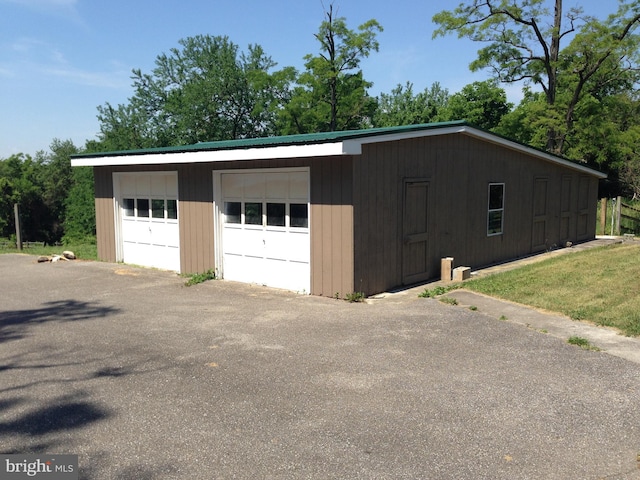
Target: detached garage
x=340, y=212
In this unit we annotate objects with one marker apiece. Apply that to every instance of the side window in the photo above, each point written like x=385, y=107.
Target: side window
x=495, y=216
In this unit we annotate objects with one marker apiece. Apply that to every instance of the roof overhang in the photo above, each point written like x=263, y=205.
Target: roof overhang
x=203, y=156
x=341, y=147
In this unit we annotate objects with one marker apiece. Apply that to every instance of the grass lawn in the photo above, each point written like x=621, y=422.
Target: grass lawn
x=84, y=251
x=601, y=285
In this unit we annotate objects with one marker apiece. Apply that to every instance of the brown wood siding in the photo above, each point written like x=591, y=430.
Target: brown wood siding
x=195, y=211
x=105, y=221
x=459, y=169
x=331, y=227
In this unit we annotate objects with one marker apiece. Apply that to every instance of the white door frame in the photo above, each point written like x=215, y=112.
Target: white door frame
x=218, y=206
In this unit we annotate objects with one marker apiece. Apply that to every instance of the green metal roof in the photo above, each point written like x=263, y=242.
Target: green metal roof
x=312, y=139
x=301, y=139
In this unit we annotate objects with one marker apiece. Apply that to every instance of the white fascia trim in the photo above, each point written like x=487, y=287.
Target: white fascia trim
x=265, y=153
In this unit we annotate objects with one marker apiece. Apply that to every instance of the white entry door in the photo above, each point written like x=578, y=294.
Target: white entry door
x=265, y=233
x=148, y=215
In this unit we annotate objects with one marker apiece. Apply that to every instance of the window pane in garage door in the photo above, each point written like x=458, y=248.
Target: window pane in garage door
x=143, y=207
x=253, y=213
x=299, y=216
x=232, y=212
x=157, y=208
x=275, y=214
x=128, y=206
x=172, y=209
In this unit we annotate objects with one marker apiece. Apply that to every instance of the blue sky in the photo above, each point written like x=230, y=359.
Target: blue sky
x=60, y=59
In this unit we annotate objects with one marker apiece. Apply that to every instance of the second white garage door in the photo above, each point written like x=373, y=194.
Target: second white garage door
x=265, y=233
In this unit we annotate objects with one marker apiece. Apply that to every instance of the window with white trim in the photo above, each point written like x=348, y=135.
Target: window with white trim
x=495, y=215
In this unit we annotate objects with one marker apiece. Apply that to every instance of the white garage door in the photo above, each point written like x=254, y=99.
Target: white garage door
x=266, y=228
x=148, y=215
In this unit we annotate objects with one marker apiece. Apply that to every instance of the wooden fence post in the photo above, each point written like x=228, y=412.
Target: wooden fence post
x=16, y=213
x=618, y=212
x=603, y=215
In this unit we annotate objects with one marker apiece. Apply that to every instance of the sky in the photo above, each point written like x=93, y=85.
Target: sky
x=61, y=59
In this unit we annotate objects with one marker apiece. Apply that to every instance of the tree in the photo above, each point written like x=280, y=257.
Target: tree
x=56, y=181
x=41, y=186
x=80, y=212
x=482, y=104
x=526, y=123
x=332, y=94
x=206, y=90
x=525, y=44
x=402, y=107
x=22, y=175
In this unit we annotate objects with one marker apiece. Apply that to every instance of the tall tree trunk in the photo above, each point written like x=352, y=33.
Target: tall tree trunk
x=333, y=81
x=553, y=142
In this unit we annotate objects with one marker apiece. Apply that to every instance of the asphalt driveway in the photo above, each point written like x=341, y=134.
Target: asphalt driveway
x=144, y=378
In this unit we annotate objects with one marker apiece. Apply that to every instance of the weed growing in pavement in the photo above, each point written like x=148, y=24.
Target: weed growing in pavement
x=355, y=297
x=436, y=291
x=582, y=343
x=196, y=278
x=449, y=300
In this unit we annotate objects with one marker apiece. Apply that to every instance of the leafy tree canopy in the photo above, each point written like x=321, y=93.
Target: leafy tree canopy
x=331, y=94
x=206, y=90
x=482, y=104
x=403, y=107
x=525, y=40
x=41, y=185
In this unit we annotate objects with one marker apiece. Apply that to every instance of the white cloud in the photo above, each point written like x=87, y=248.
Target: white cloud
x=36, y=59
x=114, y=79
x=6, y=72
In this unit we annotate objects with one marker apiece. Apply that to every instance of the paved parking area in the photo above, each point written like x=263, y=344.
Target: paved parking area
x=144, y=378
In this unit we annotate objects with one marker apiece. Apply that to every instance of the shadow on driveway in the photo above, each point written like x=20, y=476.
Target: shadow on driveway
x=14, y=324
x=60, y=416
x=66, y=413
